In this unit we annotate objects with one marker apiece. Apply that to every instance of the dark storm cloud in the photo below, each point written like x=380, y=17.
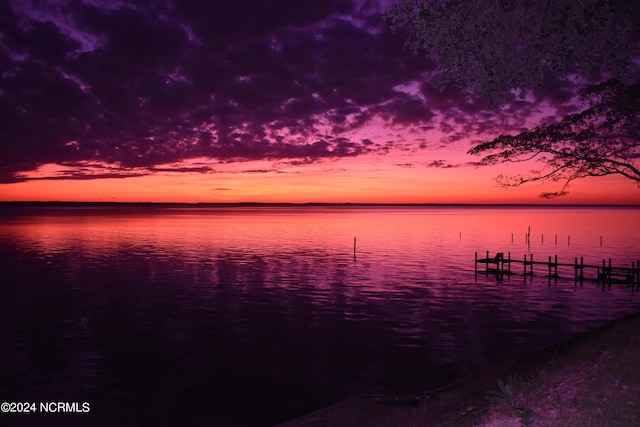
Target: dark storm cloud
x=145, y=84
x=462, y=116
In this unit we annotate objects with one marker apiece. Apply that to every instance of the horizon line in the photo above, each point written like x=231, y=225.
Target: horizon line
x=196, y=204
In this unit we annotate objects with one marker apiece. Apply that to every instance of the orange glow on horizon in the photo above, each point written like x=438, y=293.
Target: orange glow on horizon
x=372, y=179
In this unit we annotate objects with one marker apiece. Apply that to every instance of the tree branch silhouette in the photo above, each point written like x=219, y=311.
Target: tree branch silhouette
x=604, y=139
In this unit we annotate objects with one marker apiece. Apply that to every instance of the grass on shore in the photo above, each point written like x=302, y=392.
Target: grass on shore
x=591, y=380
x=595, y=382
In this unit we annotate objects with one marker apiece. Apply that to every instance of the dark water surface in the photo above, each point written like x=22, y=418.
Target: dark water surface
x=254, y=315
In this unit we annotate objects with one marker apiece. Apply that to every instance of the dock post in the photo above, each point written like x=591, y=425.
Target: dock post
x=581, y=270
x=354, y=248
x=549, y=265
x=530, y=263
x=509, y=263
x=486, y=266
x=575, y=272
x=555, y=272
x=610, y=273
x=556, y=240
x=475, y=265
x=599, y=273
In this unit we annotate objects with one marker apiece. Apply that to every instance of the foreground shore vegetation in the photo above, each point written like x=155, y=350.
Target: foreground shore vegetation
x=590, y=380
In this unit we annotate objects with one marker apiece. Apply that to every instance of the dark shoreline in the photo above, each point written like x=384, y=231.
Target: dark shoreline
x=466, y=401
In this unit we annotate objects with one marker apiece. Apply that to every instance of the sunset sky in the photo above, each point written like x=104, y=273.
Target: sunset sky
x=246, y=101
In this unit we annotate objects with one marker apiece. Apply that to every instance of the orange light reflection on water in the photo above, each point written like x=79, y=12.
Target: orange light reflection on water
x=449, y=235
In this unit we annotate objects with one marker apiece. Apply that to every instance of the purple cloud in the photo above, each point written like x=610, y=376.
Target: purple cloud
x=143, y=85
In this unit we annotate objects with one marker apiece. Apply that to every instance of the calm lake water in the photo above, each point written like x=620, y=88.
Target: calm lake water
x=254, y=315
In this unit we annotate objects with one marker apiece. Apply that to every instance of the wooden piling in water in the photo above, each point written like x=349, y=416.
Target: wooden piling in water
x=530, y=263
x=486, y=266
x=578, y=271
x=553, y=269
x=531, y=267
x=354, y=248
x=475, y=265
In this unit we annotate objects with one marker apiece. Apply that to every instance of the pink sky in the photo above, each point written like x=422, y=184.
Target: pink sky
x=249, y=102
x=366, y=179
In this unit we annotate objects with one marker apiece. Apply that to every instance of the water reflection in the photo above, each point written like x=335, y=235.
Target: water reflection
x=192, y=312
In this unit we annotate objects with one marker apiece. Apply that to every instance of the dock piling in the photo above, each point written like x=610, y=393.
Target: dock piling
x=354, y=248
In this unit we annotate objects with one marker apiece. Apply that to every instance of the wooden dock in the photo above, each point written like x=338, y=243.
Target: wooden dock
x=606, y=273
